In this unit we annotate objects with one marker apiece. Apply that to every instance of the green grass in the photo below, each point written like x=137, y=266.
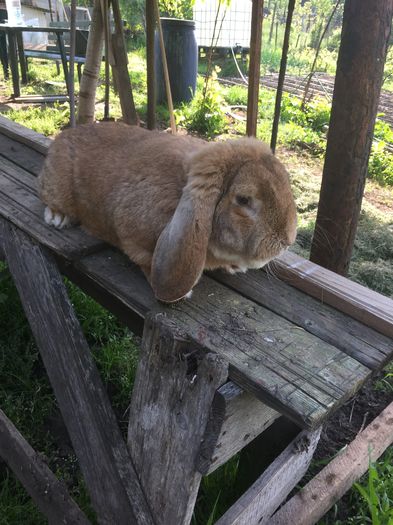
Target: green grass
x=371, y=499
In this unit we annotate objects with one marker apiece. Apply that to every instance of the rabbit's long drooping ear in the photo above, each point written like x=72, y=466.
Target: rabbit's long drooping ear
x=180, y=253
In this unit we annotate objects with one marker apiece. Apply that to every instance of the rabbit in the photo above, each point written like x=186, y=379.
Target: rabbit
x=176, y=205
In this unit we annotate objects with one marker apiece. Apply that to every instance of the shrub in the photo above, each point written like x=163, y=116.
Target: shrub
x=205, y=114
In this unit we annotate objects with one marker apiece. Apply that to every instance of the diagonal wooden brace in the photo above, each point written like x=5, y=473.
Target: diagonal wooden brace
x=103, y=457
x=50, y=494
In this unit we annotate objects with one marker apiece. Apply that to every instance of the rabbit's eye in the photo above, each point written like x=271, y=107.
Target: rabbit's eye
x=241, y=200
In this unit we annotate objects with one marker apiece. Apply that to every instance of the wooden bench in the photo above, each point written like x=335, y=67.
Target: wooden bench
x=215, y=371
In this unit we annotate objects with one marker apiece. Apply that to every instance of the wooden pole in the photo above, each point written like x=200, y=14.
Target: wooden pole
x=120, y=69
x=105, y=22
x=151, y=73
x=165, y=69
x=255, y=67
x=91, y=71
x=365, y=36
x=71, y=73
x=327, y=487
x=281, y=75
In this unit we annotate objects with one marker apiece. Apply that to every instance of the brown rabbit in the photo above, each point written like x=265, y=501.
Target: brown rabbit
x=175, y=205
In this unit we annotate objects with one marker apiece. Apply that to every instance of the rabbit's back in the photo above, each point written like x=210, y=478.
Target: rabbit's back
x=114, y=178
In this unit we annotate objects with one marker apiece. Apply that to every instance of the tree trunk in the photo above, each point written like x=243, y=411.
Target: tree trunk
x=91, y=71
x=365, y=35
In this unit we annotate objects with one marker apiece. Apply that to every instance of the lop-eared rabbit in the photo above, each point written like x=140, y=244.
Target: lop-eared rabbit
x=176, y=205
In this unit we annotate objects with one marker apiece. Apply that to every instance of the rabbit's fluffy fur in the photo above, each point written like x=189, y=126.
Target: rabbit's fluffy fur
x=175, y=205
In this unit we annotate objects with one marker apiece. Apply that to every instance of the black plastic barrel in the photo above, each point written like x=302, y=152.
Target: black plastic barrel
x=182, y=57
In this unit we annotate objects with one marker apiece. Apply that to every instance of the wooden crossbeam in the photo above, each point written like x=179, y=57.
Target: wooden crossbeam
x=236, y=418
x=50, y=494
x=361, y=303
x=103, y=456
x=327, y=487
x=260, y=501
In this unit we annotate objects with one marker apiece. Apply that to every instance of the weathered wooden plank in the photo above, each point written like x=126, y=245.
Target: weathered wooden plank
x=284, y=366
x=113, y=485
x=24, y=135
x=259, y=502
x=50, y=494
x=236, y=418
x=174, y=389
x=20, y=204
x=331, y=483
x=366, y=345
x=21, y=155
x=367, y=306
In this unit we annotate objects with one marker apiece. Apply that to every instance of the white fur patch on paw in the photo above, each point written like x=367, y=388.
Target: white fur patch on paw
x=58, y=220
x=48, y=215
x=232, y=269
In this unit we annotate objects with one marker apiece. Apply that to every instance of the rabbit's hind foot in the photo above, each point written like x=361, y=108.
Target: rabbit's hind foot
x=58, y=220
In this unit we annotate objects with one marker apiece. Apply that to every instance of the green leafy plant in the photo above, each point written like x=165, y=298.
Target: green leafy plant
x=374, y=493
x=176, y=8
x=205, y=114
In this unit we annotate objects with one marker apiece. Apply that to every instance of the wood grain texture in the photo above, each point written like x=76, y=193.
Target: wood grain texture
x=259, y=502
x=366, y=345
x=327, y=487
x=365, y=38
x=287, y=368
x=174, y=389
x=24, y=135
x=361, y=303
x=105, y=463
x=236, y=418
x=50, y=494
x=21, y=155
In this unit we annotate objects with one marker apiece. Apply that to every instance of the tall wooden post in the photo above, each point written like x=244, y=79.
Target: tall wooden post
x=91, y=71
x=365, y=35
x=281, y=75
x=151, y=74
x=255, y=67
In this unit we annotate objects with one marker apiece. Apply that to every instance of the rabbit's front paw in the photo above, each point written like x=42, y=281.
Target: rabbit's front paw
x=58, y=220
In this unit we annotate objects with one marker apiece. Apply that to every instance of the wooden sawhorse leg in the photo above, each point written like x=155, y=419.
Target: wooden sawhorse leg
x=47, y=491
x=103, y=456
x=172, y=414
x=173, y=393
